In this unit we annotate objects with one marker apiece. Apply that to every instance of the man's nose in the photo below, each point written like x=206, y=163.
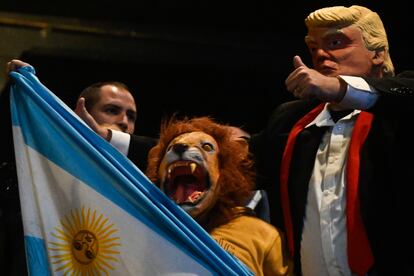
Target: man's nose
x=320, y=54
x=123, y=122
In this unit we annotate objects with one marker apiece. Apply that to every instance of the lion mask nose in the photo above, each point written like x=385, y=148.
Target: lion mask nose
x=180, y=148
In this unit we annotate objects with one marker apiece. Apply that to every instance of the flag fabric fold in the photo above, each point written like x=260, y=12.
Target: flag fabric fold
x=87, y=209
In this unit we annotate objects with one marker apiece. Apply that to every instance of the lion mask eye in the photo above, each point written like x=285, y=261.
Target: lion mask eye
x=207, y=147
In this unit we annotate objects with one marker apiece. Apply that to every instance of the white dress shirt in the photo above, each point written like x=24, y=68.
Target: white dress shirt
x=324, y=235
x=120, y=140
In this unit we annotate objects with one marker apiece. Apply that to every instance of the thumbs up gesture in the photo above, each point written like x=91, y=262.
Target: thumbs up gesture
x=307, y=83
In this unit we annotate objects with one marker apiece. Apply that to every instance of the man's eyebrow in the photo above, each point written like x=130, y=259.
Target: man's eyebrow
x=332, y=32
x=111, y=105
x=243, y=138
x=327, y=33
x=116, y=105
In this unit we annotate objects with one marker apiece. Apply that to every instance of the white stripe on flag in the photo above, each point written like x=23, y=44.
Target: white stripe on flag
x=63, y=209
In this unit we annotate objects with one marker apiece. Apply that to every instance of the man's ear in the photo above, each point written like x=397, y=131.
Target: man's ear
x=378, y=58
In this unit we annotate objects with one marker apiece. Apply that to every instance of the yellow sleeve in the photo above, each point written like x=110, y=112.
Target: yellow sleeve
x=254, y=242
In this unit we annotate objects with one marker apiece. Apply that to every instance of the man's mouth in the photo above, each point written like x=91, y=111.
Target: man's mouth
x=186, y=182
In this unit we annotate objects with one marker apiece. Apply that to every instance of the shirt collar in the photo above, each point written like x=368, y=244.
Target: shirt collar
x=325, y=119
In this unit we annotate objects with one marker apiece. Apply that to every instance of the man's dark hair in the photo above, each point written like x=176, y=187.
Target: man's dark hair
x=92, y=92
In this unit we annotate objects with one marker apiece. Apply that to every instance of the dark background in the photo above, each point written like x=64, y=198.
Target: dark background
x=226, y=59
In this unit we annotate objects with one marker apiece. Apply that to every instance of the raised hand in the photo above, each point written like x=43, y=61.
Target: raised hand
x=102, y=129
x=307, y=83
x=15, y=64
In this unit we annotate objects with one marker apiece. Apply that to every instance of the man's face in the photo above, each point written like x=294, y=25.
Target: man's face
x=340, y=52
x=116, y=107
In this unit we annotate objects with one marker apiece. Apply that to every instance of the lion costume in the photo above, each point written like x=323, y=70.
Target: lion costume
x=198, y=165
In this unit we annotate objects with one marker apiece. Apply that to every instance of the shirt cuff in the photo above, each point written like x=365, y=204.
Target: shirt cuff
x=359, y=94
x=120, y=140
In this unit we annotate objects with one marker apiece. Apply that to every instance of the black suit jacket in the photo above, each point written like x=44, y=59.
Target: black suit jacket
x=386, y=172
x=139, y=147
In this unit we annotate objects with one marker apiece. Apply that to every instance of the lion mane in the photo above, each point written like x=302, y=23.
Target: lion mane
x=236, y=180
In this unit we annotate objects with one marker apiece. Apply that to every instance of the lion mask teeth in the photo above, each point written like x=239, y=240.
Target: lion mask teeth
x=186, y=182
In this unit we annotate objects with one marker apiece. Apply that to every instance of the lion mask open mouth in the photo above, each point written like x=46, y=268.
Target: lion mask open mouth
x=186, y=182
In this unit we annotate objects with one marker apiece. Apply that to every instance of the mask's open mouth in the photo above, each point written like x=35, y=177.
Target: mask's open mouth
x=186, y=182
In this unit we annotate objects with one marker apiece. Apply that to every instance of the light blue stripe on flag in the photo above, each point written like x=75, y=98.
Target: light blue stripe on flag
x=37, y=256
x=91, y=207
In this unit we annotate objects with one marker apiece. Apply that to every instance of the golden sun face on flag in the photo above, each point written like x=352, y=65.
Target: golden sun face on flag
x=86, y=244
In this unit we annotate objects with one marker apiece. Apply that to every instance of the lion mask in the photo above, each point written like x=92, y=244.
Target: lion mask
x=198, y=165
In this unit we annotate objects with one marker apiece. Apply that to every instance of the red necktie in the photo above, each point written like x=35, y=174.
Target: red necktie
x=360, y=256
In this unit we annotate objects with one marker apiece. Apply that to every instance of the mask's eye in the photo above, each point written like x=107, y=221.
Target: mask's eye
x=207, y=147
x=312, y=49
x=335, y=43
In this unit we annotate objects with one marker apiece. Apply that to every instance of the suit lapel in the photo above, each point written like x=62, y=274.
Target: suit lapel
x=303, y=160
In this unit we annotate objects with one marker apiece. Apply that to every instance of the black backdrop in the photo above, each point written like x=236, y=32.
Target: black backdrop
x=238, y=85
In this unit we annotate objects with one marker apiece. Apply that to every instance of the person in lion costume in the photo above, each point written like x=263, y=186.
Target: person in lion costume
x=199, y=165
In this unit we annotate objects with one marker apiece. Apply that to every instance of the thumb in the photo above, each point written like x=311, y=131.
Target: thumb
x=297, y=62
x=80, y=105
x=81, y=111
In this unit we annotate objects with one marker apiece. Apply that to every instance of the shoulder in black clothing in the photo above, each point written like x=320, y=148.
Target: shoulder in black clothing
x=138, y=150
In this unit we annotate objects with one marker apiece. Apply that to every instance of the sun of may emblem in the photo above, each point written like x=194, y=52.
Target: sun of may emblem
x=86, y=244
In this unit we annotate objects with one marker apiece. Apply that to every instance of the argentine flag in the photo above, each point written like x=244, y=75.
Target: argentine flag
x=87, y=210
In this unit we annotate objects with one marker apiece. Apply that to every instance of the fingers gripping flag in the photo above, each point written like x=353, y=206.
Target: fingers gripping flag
x=87, y=210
